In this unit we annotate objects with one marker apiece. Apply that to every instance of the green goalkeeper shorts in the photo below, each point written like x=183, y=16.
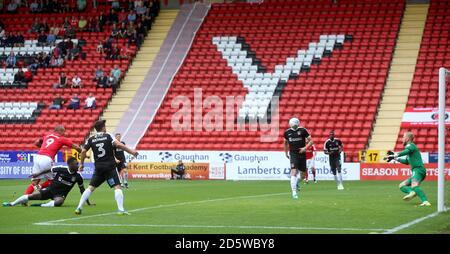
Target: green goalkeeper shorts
x=418, y=175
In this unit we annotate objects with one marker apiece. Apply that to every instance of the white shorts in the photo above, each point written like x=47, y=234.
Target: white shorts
x=310, y=164
x=42, y=163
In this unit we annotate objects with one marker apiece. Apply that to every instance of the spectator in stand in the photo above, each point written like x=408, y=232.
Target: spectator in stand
x=123, y=16
x=115, y=5
x=20, y=40
x=114, y=53
x=51, y=38
x=58, y=101
x=93, y=25
x=141, y=10
x=33, y=67
x=74, y=102
x=35, y=27
x=126, y=52
x=101, y=20
x=132, y=17
x=12, y=7
x=76, y=82
x=42, y=39
x=2, y=32
x=113, y=17
x=66, y=23
x=34, y=7
x=44, y=27
x=11, y=60
x=90, y=102
x=101, y=83
x=116, y=73
x=73, y=21
x=115, y=31
x=112, y=83
x=81, y=5
x=70, y=32
x=123, y=30
x=62, y=81
x=19, y=77
x=28, y=76
x=100, y=47
x=82, y=24
x=75, y=52
x=98, y=73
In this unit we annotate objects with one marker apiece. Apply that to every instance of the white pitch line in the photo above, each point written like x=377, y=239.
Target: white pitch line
x=409, y=224
x=161, y=206
x=208, y=226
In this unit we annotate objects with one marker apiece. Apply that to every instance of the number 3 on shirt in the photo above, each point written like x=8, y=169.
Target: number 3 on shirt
x=100, y=149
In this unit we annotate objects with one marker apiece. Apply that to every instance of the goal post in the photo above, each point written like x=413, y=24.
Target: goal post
x=443, y=73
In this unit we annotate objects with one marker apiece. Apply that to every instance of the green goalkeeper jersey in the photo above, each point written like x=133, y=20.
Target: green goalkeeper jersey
x=413, y=157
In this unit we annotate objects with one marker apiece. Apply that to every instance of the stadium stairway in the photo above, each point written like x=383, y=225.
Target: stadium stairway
x=393, y=103
x=138, y=69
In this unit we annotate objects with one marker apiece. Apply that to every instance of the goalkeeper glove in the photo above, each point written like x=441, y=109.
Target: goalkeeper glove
x=391, y=156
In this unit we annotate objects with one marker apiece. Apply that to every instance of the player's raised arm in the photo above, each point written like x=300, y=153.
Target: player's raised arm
x=38, y=142
x=125, y=148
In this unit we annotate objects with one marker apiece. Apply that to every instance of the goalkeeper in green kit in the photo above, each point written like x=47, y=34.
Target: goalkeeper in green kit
x=411, y=186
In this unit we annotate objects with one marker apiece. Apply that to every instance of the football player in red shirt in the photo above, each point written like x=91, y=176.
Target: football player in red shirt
x=49, y=146
x=310, y=152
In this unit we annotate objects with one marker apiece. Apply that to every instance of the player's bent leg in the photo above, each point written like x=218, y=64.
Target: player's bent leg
x=415, y=185
x=58, y=201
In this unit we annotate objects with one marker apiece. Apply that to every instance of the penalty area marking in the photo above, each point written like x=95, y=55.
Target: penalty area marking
x=409, y=224
x=210, y=226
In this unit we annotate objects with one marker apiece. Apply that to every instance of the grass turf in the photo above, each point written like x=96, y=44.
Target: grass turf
x=222, y=207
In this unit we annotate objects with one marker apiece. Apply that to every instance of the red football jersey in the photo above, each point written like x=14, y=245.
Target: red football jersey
x=52, y=142
x=309, y=152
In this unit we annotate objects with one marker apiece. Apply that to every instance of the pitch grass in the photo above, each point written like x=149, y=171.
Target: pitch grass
x=222, y=207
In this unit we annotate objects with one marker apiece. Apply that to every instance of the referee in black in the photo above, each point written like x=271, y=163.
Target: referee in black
x=103, y=145
x=333, y=147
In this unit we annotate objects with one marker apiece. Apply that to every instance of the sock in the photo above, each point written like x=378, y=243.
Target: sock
x=336, y=179
x=118, y=194
x=125, y=179
x=314, y=174
x=420, y=193
x=340, y=178
x=406, y=189
x=21, y=200
x=294, y=184
x=84, y=197
x=306, y=175
x=46, y=184
x=49, y=204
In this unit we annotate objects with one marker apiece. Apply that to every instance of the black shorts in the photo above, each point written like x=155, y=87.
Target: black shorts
x=47, y=193
x=108, y=174
x=335, y=164
x=121, y=165
x=297, y=161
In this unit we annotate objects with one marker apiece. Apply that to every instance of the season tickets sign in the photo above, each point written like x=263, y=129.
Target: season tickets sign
x=396, y=171
x=161, y=170
x=423, y=117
